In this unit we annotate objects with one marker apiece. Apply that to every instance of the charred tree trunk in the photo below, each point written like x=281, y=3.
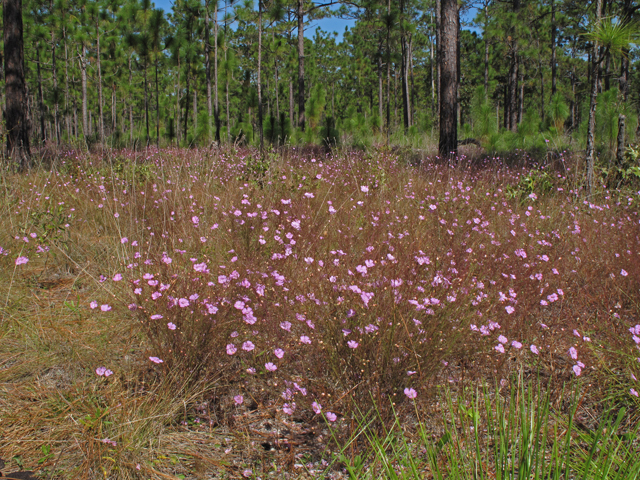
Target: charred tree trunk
x=448, y=145
x=15, y=87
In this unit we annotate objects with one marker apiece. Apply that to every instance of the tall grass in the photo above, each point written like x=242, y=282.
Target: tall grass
x=515, y=432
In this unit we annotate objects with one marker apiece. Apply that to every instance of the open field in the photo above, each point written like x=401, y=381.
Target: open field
x=215, y=314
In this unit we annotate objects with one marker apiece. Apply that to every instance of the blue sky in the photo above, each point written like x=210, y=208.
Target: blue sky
x=328, y=25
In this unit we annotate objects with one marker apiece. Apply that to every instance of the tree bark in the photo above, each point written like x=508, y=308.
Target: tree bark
x=448, y=144
x=15, y=86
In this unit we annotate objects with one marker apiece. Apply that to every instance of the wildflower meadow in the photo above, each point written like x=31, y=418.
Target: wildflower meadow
x=204, y=313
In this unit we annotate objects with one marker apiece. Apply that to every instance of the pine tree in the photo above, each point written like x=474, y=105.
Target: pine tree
x=16, y=116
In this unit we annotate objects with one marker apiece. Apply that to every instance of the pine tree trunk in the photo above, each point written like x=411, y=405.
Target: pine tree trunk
x=486, y=51
x=146, y=100
x=157, y=107
x=403, y=72
x=100, y=100
x=75, y=118
x=624, y=64
x=621, y=139
x=513, y=89
x=114, y=109
x=275, y=65
x=15, y=86
x=178, y=101
x=448, y=144
x=438, y=54
x=553, y=48
x=521, y=99
x=67, y=115
x=388, y=129
x=260, y=124
x=291, y=103
x=207, y=63
x=590, y=151
x=56, y=99
x=432, y=71
x=380, y=98
x=195, y=107
x=216, y=105
x=130, y=104
x=186, y=106
x=607, y=72
x=411, y=86
x=542, y=102
x=227, y=111
x=301, y=117
x=85, y=115
x=43, y=133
